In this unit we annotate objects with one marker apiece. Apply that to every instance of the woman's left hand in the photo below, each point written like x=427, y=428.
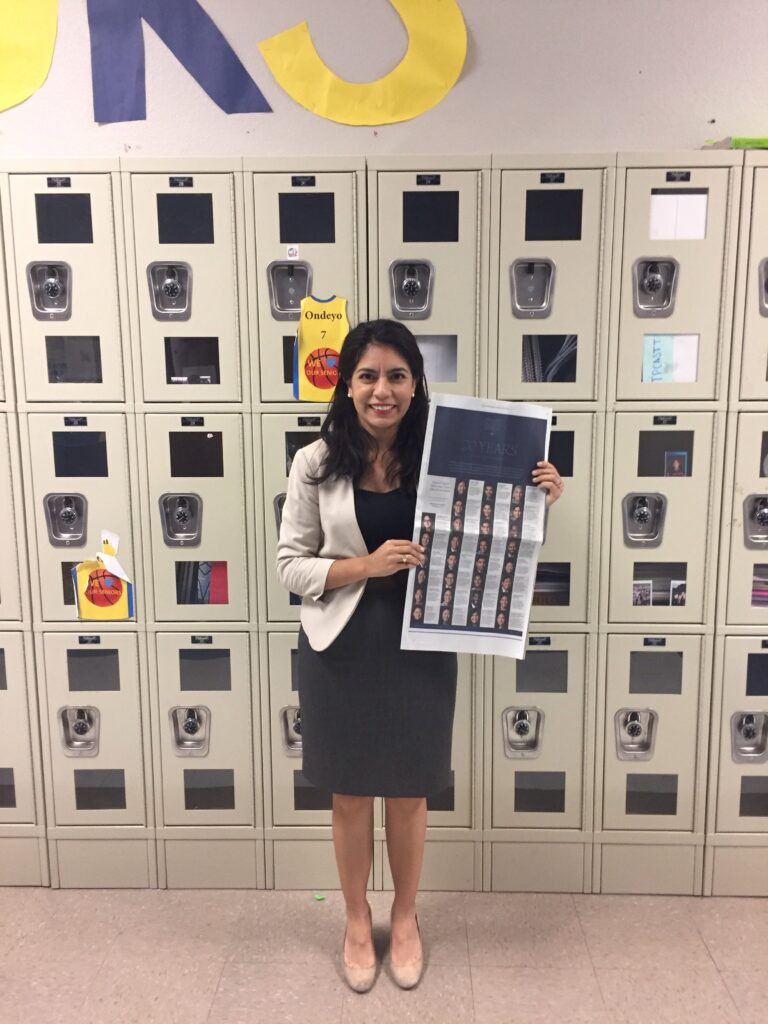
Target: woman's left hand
x=546, y=478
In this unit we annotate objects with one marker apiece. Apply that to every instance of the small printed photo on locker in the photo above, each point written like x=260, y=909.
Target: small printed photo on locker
x=764, y=454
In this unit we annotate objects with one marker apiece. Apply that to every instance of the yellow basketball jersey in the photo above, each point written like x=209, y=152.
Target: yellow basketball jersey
x=323, y=326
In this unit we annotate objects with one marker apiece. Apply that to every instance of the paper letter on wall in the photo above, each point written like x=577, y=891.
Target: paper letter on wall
x=27, y=39
x=437, y=46
x=117, y=57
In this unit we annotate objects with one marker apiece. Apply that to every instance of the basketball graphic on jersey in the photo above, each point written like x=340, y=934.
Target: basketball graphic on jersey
x=321, y=368
x=104, y=588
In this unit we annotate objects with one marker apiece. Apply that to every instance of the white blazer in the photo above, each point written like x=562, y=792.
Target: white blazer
x=318, y=526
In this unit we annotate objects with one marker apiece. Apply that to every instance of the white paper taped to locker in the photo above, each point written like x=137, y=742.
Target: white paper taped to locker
x=481, y=521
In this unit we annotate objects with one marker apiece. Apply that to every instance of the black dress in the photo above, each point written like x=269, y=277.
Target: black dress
x=375, y=720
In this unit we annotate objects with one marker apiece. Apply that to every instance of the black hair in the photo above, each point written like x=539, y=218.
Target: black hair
x=350, y=447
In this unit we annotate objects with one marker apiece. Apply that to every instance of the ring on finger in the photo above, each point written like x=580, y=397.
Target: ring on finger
x=404, y=558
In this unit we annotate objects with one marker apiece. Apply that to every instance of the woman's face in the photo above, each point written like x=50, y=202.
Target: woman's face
x=381, y=388
x=445, y=614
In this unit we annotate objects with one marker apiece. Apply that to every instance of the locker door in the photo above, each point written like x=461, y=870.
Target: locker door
x=282, y=436
x=204, y=709
x=197, y=505
x=550, y=284
x=186, y=279
x=662, y=517
x=453, y=807
x=672, y=280
x=428, y=260
x=305, y=228
x=754, y=359
x=93, y=709
x=561, y=590
x=80, y=487
x=66, y=278
x=742, y=792
x=651, y=726
x=17, y=795
x=748, y=562
x=10, y=593
x=295, y=801
x=538, y=735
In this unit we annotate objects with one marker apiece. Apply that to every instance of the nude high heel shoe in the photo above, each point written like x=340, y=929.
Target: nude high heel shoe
x=359, y=979
x=408, y=974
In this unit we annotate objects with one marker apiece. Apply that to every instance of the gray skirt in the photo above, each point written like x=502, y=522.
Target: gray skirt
x=375, y=720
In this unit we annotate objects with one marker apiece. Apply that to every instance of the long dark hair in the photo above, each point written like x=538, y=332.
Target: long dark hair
x=350, y=447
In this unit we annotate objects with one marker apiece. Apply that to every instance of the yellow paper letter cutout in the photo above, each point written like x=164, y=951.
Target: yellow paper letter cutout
x=437, y=46
x=27, y=40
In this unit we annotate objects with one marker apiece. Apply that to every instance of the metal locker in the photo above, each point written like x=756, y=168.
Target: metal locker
x=80, y=486
x=662, y=516
x=561, y=590
x=550, y=287
x=538, y=732
x=295, y=801
x=753, y=382
x=651, y=732
x=94, y=723
x=185, y=244
x=306, y=237
x=675, y=276
x=282, y=436
x=10, y=592
x=17, y=793
x=742, y=787
x=61, y=245
x=196, y=503
x=747, y=579
x=427, y=267
x=204, y=716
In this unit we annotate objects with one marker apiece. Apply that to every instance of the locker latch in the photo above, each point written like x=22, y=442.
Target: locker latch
x=654, y=286
x=66, y=516
x=181, y=517
x=749, y=736
x=190, y=730
x=522, y=731
x=635, y=733
x=756, y=520
x=644, y=519
x=412, y=284
x=79, y=731
x=533, y=287
x=170, y=290
x=289, y=281
x=50, y=289
x=290, y=730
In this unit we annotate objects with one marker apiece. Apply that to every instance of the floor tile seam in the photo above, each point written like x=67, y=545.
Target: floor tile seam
x=215, y=992
x=705, y=944
x=589, y=954
x=727, y=988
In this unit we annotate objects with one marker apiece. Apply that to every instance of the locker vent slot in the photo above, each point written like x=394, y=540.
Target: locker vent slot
x=201, y=669
x=93, y=669
x=100, y=789
x=209, y=789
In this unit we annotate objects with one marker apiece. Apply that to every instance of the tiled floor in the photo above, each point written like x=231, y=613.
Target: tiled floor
x=225, y=957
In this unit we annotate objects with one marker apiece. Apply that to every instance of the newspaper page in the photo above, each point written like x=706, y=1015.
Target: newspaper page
x=481, y=520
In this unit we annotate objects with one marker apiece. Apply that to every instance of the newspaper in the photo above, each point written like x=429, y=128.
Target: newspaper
x=481, y=520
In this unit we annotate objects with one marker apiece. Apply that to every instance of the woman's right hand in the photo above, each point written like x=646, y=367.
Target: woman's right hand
x=394, y=555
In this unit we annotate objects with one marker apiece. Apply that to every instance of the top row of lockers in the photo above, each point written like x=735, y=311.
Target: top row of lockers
x=595, y=280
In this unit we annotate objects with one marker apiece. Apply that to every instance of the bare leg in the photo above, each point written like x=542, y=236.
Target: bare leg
x=406, y=822
x=353, y=843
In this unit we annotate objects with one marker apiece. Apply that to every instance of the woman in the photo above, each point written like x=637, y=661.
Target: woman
x=343, y=546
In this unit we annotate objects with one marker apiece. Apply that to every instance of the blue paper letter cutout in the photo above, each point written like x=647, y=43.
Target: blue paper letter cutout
x=117, y=57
